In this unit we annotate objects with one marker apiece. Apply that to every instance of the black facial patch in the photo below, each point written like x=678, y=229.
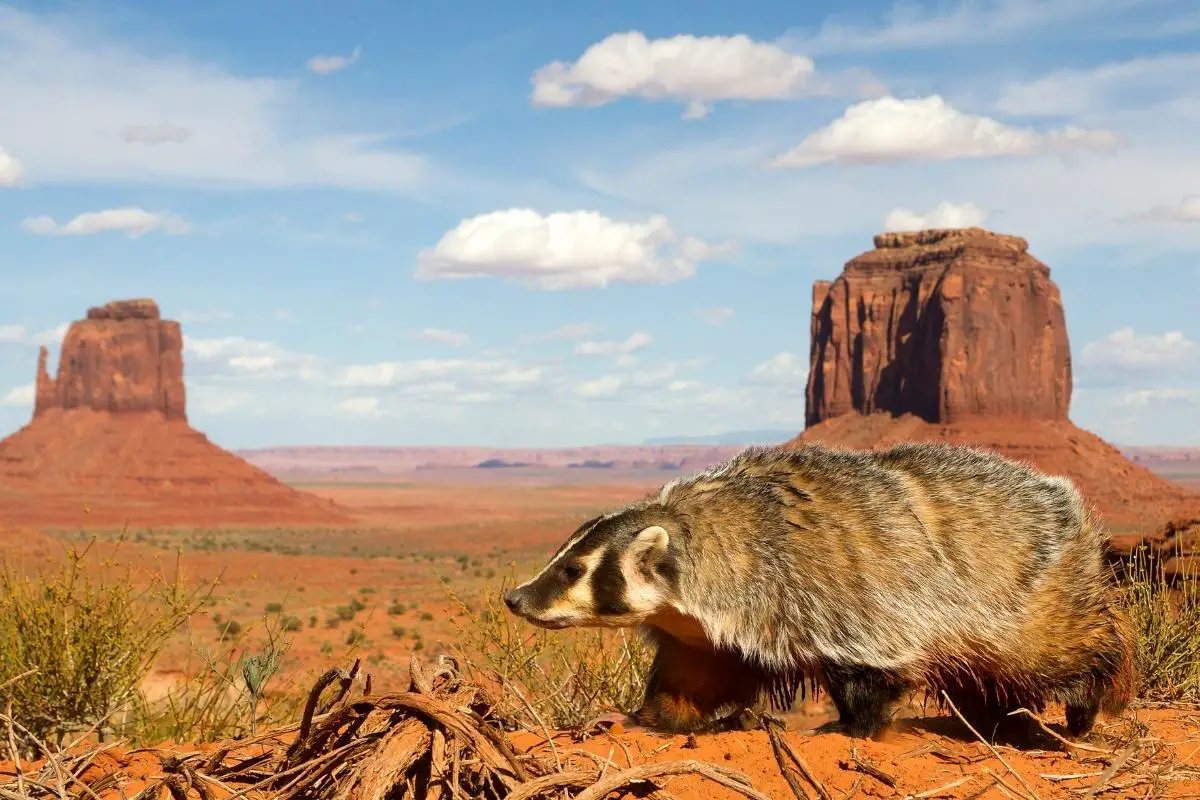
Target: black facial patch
x=608, y=586
x=556, y=582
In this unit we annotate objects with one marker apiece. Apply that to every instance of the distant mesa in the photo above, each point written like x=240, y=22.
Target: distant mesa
x=109, y=442
x=500, y=463
x=959, y=335
x=122, y=359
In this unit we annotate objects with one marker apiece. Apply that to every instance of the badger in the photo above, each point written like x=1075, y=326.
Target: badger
x=869, y=574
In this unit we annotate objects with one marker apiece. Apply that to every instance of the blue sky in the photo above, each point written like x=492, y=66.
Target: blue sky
x=543, y=224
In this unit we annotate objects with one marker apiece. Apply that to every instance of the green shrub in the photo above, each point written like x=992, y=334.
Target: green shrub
x=83, y=640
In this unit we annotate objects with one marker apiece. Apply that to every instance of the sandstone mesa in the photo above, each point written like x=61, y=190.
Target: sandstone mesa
x=959, y=335
x=109, y=442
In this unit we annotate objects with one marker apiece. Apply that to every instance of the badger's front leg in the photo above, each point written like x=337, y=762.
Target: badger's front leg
x=688, y=686
x=864, y=697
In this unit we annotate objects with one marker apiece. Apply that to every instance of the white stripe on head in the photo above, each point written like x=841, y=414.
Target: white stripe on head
x=574, y=540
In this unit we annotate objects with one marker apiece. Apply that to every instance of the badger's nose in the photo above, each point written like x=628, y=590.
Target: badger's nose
x=514, y=599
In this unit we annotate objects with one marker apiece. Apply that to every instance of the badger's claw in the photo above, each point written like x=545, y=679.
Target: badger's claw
x=613, y=718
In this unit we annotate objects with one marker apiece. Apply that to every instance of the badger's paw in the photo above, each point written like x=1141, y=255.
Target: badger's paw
x=614, y=722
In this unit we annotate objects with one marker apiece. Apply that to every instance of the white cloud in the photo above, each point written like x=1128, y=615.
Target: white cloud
x=81, y=105
x=20, y=396
x=253, y=363
x=604, y=386
x=1143, y=398
x=452, y=338
x=324, y=65
x=218, y=400
x=11, y=172
x=638, y=340
x=136, y=222
x=228, y=358
x=361, y=406
x=714, y=316
x=929, y=129
x=943, y=215
x=1125, y=351
x=427, y=370
x=1188, y=210
x=162, y=133
x=563, y=250
x=1139, y=82
x=695, y=70
x=19, y=334
x=50, y=336
x=783, y=368
x=12, y=333
x=909, y=26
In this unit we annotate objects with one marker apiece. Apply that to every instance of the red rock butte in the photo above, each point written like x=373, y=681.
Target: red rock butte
x=109, y=442
x=959, y=335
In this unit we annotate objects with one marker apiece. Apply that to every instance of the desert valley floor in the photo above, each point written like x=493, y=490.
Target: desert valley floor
x=427, y=531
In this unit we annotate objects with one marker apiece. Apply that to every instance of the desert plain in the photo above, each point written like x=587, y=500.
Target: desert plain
x=377, y=590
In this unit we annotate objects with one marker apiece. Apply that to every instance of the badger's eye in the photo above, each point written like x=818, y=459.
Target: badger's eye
x=572, y=572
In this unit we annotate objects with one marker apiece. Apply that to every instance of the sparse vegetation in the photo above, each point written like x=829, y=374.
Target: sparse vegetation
x=74, y=645
x=559, y=678
x=1167, y=620
x=223, y=697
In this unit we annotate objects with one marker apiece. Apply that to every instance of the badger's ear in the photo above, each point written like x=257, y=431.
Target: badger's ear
x=651, y=540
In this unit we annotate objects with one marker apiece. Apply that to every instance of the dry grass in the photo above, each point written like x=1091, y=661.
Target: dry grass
x=558, y=679
x=1166, y=616
x=229, y=694
x=84, y=642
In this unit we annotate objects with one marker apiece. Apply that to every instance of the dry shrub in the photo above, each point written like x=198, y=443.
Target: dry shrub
x=555, y=678
x=227, y=695
x=83, y=641
x=1166, y=617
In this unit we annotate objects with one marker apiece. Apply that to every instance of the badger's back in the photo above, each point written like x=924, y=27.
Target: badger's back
x=875, y=557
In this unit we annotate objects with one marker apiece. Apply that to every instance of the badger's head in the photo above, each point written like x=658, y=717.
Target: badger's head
x=613, y=571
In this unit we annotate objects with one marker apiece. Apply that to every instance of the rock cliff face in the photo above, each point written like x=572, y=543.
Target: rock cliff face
x=110, y=444
x=940, y=324
x=123, y=358
x=959, y=336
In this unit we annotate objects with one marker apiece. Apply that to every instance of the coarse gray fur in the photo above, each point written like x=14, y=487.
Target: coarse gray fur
x=897, y=559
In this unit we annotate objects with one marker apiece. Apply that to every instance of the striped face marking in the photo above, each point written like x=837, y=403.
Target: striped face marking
x=602, y=576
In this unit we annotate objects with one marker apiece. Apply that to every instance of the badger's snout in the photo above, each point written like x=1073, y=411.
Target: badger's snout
x=517, y=601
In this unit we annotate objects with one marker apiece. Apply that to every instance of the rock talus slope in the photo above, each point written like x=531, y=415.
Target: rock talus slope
x=109, y=442
x=959, y=335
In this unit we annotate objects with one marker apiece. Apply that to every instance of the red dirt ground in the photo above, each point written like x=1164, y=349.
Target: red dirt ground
x=920, y=756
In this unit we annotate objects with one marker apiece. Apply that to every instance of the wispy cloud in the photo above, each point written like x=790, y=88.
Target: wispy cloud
x=135, y=222
x=943, y=215
x=929, y=129
x=927, y=25
x=81, y=105
x=324, y=65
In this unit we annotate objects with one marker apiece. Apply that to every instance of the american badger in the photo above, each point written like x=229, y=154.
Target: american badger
x=868, y=573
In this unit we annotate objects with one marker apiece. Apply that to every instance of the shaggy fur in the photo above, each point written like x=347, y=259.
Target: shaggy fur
x=872, y=573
